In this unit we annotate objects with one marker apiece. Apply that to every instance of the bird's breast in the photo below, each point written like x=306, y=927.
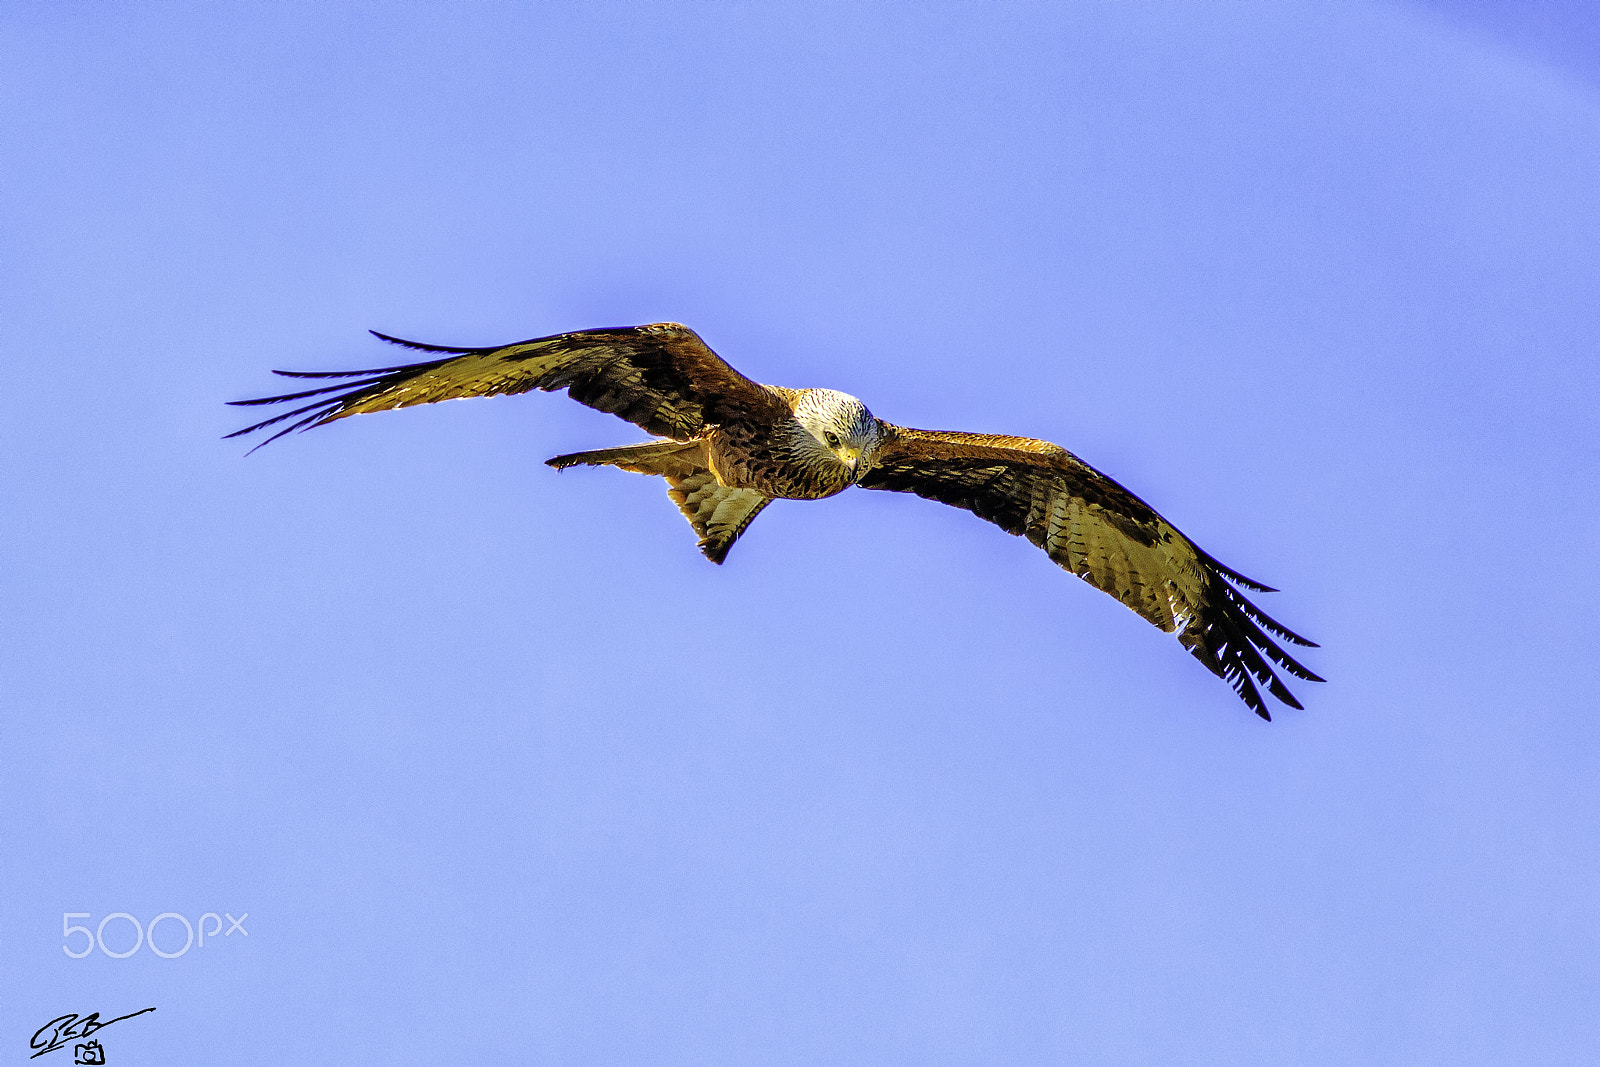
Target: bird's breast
x=773, y=463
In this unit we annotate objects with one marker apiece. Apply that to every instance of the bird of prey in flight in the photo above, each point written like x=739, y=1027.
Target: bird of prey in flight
x=729, y=446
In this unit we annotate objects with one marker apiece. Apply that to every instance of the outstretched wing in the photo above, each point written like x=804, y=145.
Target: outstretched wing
x=660, y=377
x=1105, y=535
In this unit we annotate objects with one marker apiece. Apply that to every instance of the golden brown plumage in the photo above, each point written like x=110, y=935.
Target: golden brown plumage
x=735, y=445
x=661, y=378
x=1098, y=530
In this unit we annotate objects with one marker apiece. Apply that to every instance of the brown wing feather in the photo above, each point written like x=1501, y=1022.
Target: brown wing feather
x=661, y=377
x=1101, y=532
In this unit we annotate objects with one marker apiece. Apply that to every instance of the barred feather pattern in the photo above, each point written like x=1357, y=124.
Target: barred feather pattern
x=662, y=378
x=1096, y=529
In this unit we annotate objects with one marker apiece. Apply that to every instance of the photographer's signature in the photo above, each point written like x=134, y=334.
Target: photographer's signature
x=64, y=1029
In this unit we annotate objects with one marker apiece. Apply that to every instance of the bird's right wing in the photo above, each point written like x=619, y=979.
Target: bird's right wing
x=660, y=377
x=1092, y=526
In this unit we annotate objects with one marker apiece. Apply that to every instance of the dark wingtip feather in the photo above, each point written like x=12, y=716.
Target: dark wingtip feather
x=420, y=347
x=344, y=393
x=1253, y=586
x=337, y=373
x=322, y=410
x=1230, y=637
x=1233, y=575
x=319, y=414
x=1273, y=626
x=314, y=419
x=291, y=396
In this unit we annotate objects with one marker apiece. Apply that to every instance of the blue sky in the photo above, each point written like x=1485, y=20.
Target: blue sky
x=500, y=767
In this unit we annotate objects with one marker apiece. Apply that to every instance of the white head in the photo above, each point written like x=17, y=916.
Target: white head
x=842, y=425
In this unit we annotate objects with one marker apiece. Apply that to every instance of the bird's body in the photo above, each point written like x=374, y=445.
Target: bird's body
x=783, y=458
x=728, y=446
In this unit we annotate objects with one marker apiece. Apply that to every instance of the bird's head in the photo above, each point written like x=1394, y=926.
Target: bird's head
x=842, y=426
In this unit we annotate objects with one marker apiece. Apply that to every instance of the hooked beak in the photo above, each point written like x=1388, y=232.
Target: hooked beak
x=853, y=459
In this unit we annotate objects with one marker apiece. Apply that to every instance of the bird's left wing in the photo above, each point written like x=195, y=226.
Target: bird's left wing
x=660, y=377
x=1105, y=535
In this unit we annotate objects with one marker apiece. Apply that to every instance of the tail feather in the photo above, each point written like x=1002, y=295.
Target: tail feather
x=719, y=514
x=664, y=458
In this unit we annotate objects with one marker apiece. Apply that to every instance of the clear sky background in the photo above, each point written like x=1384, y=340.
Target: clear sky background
x=502, y=771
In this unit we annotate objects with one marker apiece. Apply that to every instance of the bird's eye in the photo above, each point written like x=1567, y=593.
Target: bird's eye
x=831, y=437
